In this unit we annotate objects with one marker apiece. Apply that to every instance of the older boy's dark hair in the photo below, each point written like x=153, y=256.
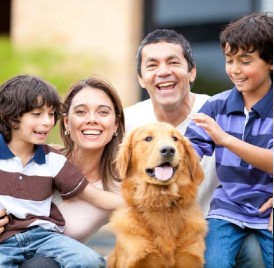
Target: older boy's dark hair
x=250, y=33
x=168, y=36
x=22, y=94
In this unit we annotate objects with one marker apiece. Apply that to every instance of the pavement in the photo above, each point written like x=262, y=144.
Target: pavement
x=103, y=241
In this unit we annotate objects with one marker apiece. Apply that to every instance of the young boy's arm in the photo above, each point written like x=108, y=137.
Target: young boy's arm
x=260, y=158
x=101, y=199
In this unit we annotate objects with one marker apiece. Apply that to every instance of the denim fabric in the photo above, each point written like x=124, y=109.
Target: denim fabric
x=68, y=252
x=225, y=239
x=41, y=262
x=250, y=254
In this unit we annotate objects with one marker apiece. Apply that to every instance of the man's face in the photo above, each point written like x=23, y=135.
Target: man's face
x=165, y=73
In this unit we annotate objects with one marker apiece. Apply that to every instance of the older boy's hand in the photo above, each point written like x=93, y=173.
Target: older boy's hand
x=3, y=220
x=217, y=134
x=268, y=204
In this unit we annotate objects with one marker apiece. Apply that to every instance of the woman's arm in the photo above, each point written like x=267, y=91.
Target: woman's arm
x=101, y=199
x=260, y=158
x=78, y=212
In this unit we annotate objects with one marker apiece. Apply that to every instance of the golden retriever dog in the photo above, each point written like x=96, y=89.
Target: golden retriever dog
x=161, y=224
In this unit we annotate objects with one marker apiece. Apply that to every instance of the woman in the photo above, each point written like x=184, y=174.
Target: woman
x=92, y=127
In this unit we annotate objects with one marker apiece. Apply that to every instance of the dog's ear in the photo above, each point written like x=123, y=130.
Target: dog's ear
x=124, y=155
x=192, y=161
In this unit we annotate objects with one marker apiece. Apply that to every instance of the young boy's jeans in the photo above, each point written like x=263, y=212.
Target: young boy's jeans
x=65, y=250
x=224, y=240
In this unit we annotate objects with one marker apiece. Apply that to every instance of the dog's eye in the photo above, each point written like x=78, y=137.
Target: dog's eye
x=148, y=138
x=174, y=138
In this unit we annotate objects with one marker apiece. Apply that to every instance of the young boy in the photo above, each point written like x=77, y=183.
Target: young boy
x=237, y=124
x=30, y=171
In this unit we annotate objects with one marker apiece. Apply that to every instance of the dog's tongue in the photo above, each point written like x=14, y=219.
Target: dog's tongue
x=163, y=173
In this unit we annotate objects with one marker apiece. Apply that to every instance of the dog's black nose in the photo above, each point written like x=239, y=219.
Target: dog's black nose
x=167, y=151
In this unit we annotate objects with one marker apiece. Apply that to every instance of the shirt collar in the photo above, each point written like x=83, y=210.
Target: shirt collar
x=235, y=103
x=5, y=153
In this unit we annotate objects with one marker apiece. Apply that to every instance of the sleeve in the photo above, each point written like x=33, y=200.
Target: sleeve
x=70, y=181
x=200, y=140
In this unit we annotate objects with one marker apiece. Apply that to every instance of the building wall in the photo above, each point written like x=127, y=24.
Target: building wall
x=107, y=30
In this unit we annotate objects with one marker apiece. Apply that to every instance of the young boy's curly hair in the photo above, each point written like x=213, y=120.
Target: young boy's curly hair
x=250, y=33
x=22, y=94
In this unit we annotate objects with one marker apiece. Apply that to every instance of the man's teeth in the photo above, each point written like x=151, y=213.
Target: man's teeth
x=91, y=132
x=167, y=84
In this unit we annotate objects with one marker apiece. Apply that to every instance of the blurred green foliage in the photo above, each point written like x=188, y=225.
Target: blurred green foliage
x=59, y=68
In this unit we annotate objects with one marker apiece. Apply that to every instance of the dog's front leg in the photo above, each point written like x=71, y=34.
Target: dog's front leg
x=131, y=252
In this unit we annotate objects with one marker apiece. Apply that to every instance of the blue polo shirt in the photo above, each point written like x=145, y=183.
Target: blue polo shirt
x=243, y=188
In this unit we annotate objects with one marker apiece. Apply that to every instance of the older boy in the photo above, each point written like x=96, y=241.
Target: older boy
x=237, y=124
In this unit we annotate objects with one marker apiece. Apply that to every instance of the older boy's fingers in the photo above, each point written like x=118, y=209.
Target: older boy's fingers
x=270, y=225
x=268, y=204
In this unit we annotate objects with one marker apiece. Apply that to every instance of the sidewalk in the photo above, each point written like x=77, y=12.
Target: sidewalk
x=103, y=241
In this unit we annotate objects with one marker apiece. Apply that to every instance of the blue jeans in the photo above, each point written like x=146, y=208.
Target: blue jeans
x=68, y=252
x=225, y=239
x=250, y=254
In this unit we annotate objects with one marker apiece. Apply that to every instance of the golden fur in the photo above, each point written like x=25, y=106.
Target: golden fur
x=161, y=224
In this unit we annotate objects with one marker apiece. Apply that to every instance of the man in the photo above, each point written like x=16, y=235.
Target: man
x=166, y=69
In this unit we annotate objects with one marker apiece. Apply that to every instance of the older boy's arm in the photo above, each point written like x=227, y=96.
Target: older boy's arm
x=258, y=157
x=102, y=199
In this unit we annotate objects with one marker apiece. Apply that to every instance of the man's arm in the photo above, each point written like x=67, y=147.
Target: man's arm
x=260, y=158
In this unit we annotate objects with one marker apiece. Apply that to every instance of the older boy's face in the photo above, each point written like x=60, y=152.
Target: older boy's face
x=247, y=71
x=34, y=126
x=165, y=73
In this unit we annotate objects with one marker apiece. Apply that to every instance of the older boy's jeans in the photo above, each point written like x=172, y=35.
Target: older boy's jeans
x=224, y=240
x=66, y=251
x=250, y=254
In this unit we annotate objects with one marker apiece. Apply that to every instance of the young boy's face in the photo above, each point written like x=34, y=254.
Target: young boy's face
x=247, y=71
x=34, y=126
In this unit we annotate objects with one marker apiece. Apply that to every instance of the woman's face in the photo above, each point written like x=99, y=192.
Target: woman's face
x=91, y=119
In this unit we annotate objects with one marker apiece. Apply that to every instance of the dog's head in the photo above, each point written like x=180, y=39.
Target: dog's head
x=157, y=153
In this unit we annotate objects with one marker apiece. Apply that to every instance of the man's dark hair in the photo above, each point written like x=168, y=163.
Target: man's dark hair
x=168, y=36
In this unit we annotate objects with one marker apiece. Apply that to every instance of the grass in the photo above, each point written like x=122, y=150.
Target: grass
x=50, y=63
